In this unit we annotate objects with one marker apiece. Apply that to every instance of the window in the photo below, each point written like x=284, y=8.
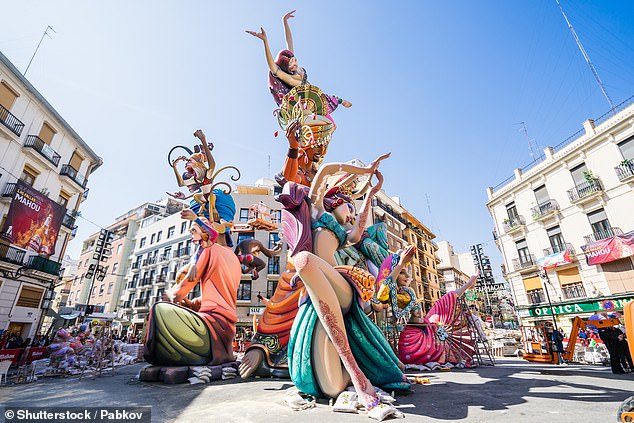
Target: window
x=244, y=291
x=76, y=160
x=511, y=210
x=110, y=288
x=29, y=174
x=541, y=195
x=135, y=279
x=188, y=246
x=7, y=95
x=244, y=215
x=600, y=224
x=115, y=267
x=152, y=239
x=274, y=237
x=274, y=266
x=63, y=198
x=101, y=289
x=29, y=297
x=627, y=148
x=142, y=242
x=271, y=286
x=556, y=239
x=578, y=174
x=47, y=133
x=245, y=235
x=119, y=248
x=535, y=296
x=183, y=227
x=167, y=252
x=170, y=231
x=276, y=215
x=523, y=253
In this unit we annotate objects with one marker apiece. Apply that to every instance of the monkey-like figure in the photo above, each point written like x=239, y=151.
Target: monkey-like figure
x=248, y=251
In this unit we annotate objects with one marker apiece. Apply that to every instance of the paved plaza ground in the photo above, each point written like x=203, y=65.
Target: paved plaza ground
x=512, y=391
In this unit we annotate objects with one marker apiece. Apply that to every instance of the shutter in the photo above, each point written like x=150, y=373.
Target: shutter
x=7, y=95
x=46, y=133
x=568, y=276
x=533, y=283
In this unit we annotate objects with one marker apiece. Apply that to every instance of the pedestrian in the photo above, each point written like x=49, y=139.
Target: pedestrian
x=623, y=351
x=557, y=338
x=609, y=336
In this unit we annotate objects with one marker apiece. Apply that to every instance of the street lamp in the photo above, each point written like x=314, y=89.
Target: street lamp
x=544, y=275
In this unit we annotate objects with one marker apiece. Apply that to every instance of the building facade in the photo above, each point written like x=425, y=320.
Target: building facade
x=571, y=213
x=41, y=151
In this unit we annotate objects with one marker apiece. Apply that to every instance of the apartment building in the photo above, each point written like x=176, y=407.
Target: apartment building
x=44, y=170
x=565, y=223
x=162, y=245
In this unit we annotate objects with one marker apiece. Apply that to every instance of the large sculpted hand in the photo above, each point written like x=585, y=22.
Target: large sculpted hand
x=261, y=35
x=293, y=134
x=407, y=255
x=188, y=214
x=179, y=195
x=289, y=15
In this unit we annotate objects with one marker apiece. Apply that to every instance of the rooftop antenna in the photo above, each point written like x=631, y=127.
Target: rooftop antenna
x=533, y=148
x=269, y=166
x=38, y=46
x=585, y=56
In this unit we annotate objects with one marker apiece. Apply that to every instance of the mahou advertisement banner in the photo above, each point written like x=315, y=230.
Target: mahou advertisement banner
x=33, y=221
x=610, y=249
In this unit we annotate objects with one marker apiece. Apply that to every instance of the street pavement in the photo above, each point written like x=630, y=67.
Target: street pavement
x=512, y=391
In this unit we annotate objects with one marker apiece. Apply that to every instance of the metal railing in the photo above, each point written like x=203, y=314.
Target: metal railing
x=68, y=220
x=625, y=169
x=145, y=281
x=585, y=189
x=513, y=223
x=43, y=265
x=140, y=302
x=603, y=234
x=524, y=262
x=536, y=296
x=560, y=248
x=73, y=174
x=9, y=120
x=38, y=144
x=126, y=304
x=544, y=208
x=11, y=254
x=136, y=265
x=575, y=290
x=9, y=189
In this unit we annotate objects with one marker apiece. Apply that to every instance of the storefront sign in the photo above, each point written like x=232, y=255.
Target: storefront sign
x=609, y=249
x=578, y=307
x=11, y=354
x=256, y=310
x=554, y=260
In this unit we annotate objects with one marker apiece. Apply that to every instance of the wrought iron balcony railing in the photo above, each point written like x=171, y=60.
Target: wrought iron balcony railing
x=560, y=248
x=585, y=189
x=43, y=265
x=625, y=169
x=69, y=171
x=11, y=254
x=14, y=124
x=524, y=262
x=575, y=290
x=544, y=208
x=513, y=223
x=140, y=302
x=536, y=296
x=37, y=144
x=69, y=220
x=603, y=234
x=9, y=189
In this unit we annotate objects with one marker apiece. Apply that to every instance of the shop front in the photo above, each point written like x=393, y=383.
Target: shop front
x=564, y=312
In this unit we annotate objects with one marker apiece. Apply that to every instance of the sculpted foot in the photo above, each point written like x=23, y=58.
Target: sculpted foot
x=250, y=362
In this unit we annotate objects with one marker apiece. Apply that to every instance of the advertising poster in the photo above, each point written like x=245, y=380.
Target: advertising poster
x=33, y=221
x=609, y=249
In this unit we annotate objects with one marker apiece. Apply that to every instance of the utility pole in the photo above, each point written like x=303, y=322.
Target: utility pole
x=103, y=249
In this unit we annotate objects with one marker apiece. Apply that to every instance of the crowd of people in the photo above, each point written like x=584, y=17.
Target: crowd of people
x=10, y=341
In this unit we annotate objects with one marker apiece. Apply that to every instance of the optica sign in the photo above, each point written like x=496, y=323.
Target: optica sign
x=578, y=307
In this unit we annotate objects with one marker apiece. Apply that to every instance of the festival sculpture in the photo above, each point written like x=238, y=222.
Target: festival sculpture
x=199, y=331
x=442, y=336
x=247, y=251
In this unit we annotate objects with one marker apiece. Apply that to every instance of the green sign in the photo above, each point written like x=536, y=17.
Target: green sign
x=470, y=295
x=608, y=305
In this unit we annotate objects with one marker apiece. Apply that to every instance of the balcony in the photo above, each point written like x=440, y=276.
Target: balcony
x=9, y=189
x=14, y=124
x=140, y=302
x=559, y=249
x=164, y=258
x=172, y=276
x=525, y=263
x=69, y=220
x=43, y=265
x=77, y=177
x=135, y=266
x=160, y=279
x=145, y=281
x=625, y=170
x=37, y=144
x=604, y=234
x=514, y=224
x=183, y=253
x=11, y=254
x=536, y=296
x=573, y=291
x=545, y=209
x=585, y=191
x=126, y=304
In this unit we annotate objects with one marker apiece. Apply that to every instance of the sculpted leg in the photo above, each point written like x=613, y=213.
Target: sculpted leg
x=250, y=362
x=332, y=376
x=330, y=293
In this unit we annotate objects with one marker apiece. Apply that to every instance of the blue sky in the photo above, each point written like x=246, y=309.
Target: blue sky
x=443, y=85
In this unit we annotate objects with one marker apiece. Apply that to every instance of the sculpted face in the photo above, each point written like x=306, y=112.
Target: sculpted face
x=195, y=166
x=345, y=214
x=292, y=65
x=403, y=278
